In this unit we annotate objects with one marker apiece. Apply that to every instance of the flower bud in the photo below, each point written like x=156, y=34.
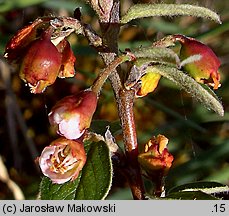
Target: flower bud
x=156, y=159
x=204, y=70
x=72, y=114
x=40, y=65
x=148, y=83
x=62, y=160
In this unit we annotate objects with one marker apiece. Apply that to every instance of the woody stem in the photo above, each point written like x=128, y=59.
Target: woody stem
x=125, y=98
x=125, y=105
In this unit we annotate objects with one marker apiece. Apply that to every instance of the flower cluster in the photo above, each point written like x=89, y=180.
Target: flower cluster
x=42, y=56
x=40, y=61
x=65, y=157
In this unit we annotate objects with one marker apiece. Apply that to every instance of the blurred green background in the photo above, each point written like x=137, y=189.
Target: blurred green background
x=199, y=139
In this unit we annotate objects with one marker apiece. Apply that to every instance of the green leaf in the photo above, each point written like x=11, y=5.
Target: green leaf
x=190, y=195
x=151, y=10
x=50, y=191
x=204, y=186
x=96, y=178
x=156, y=54
x=198, y=92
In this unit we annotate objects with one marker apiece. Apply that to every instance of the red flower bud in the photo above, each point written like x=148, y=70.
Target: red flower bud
x=72, y=114
x=204, y=70
x=41, y=64
x=62, y=160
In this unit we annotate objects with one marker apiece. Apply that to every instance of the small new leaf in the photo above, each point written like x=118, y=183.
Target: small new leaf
x=152, y=10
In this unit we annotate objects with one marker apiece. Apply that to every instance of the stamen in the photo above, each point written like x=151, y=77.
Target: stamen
x=62, y=160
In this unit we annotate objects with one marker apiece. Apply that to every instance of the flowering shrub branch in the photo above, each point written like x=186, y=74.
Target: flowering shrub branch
x=65, y=158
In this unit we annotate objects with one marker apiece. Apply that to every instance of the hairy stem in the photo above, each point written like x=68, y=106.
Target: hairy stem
x=104, y=74
x=110, y=30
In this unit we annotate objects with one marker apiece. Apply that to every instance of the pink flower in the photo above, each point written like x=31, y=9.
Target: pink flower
x=72, y=115
x=62, y=160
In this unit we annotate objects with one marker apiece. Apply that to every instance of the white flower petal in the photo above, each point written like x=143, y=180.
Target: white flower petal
x=71, y=128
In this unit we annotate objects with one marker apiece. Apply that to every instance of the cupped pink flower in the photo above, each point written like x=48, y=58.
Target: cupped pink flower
x=204, y=70
x=72, y=115
x=62, y=160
